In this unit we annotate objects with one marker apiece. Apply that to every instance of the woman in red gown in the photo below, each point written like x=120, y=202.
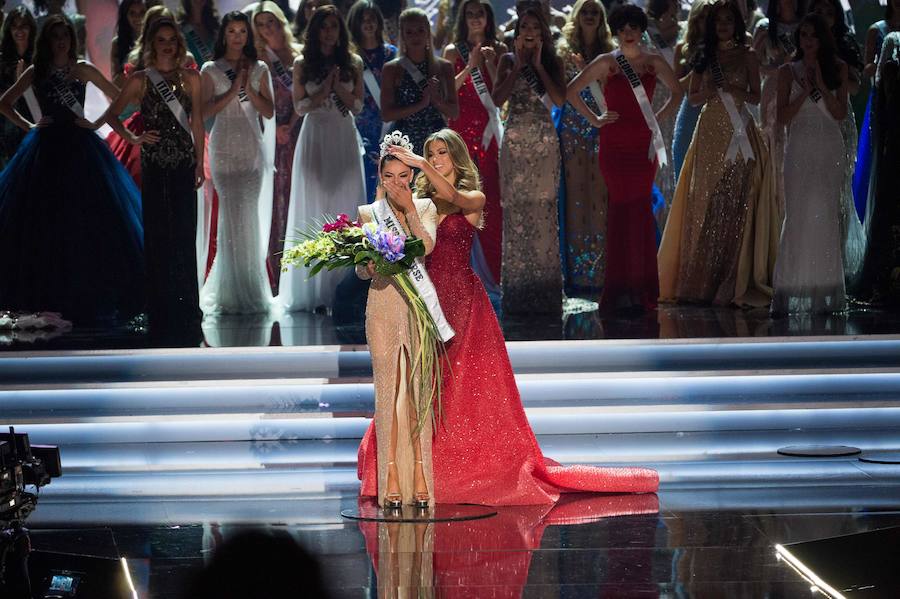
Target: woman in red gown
x=476, y=47
x=484, y=450
x=627, y=160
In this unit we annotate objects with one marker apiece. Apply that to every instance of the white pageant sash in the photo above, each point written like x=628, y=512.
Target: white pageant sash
x=534, y=82
x=414, y=72
x=597, y=93
x=493, y=129
x=657, y=145
x=739, y=140
x=33, y=106
x=243, y=99
x=281, y=73
x=191, y=34
x=171, y=100
x=665, y=49
x=66, y=95
x=421, y=281
x=371, y=84
x=815, y=95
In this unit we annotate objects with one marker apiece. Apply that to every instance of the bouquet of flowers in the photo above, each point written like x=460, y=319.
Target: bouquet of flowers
x=342, y=243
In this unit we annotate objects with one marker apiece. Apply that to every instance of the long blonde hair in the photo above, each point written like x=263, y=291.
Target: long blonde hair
x=464, y=168
x=273, y=9
x=572, y=32
x=411, y=14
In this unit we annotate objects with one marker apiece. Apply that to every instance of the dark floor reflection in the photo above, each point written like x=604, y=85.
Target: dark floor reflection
x=492, y=557
x=347, y=327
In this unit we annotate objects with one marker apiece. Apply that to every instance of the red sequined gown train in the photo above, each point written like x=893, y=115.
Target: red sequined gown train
x=632, y=279
x=484, y=450
x=473, y=118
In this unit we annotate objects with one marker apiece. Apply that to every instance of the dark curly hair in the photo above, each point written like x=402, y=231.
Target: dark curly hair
x=549, y=59
x=711, y=38
x=249, y=48
x=125, y=35
x=627, y=14
x=210, y=15
x=355, y=17
x=847, y=47
x=773, y=13
x=8, y=52
x=461, y=30
x=315, y=65
x=43, y=50
x=657, y=8
x=827, y=54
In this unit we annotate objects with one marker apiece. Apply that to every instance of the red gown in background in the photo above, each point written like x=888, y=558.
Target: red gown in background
x=484, y=450
x=632, y=277
x=129, y=155
x=473, y=118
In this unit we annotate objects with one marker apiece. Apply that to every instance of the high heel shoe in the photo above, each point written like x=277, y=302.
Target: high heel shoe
x=393, y=501
x=421, y=499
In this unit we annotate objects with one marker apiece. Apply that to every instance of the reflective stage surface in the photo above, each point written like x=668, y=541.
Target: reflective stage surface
x=301, y=328
x=677, y=545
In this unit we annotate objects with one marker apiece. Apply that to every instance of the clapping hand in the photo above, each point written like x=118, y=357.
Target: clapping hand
x=488, y=54
x=433, y=90
x=475, y=59
x=578, y=59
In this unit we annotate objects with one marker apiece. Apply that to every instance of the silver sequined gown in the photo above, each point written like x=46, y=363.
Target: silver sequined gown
x=529, y=179
x=237, y=282
x=809, y=276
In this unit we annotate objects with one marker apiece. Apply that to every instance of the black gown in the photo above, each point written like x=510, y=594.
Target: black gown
x=170, y=214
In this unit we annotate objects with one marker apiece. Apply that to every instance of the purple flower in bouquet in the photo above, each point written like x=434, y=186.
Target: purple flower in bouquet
x=386, y=243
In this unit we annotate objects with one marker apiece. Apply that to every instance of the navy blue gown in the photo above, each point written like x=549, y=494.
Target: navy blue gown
x=70, y=221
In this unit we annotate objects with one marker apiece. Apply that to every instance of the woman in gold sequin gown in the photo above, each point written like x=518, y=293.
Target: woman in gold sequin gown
x=720, y=240
x=529, y=170
x=403, y=457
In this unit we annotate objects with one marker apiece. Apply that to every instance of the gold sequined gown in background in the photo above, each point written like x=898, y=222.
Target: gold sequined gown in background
x=388, y=336
x=529, y=181
x=721, y=237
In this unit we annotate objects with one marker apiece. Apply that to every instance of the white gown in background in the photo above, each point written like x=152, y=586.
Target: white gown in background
x=327, y=180
x=809, y=274
x=241, y=166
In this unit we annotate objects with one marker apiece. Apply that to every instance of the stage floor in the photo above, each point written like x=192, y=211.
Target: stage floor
x=304, y=329
x=701, y=542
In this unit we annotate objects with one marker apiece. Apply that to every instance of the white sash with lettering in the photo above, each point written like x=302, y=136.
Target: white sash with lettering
x=815, y=95
x=657, y=145
x=414, y=72
x=739, y=140
x=33, y=106
x=66, y=96
x=191, y=34
x=171, y=100
x=597, y=93
x=421, y=281
x=534, y=82
x=281, y=73
x=243, y=98
x=665, y=49
x=493, y=129
x=371, y=84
